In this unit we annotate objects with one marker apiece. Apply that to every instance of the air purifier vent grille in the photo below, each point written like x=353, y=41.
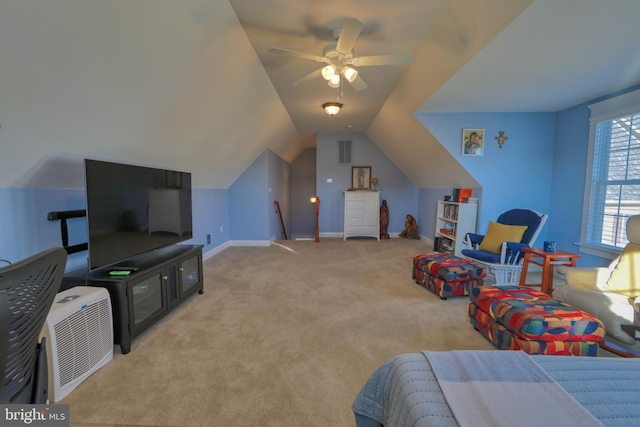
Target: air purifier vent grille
x=82, y=340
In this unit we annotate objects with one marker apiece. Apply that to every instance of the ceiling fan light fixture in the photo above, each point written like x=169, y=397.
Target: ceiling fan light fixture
x=332, y=108
x=328, y=72
x=338, y=57
x=350, y=73
x=335, y=81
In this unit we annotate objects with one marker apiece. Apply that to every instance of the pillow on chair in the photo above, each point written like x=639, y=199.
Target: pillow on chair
x=625, y=278
x=498, y=233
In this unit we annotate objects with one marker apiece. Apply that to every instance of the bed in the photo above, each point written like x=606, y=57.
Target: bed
x=500, y=388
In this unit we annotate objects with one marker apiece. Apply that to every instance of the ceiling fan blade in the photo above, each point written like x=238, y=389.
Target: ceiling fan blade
x=308, y=77
x=365, y=61
x=358, y=84
x=296, y=54
x=348, y=35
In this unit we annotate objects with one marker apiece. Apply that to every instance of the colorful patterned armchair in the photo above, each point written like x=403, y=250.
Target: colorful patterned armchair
x=612, y=293
x=500, y=249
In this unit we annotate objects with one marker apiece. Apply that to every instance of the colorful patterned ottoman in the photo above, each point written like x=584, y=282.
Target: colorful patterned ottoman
x=447, y=275
x=515, y=318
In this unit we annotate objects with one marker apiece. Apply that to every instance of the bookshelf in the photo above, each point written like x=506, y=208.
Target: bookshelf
x=454, y=221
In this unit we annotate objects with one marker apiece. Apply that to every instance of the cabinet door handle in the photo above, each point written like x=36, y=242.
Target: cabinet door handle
x=165, y=277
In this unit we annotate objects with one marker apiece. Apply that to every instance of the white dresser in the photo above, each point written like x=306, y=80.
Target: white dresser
x=361, y=214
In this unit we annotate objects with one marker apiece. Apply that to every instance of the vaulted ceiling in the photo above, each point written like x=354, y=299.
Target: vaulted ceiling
x=191, y=84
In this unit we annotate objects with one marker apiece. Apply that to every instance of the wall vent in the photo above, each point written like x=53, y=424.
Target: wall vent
x=344, y=152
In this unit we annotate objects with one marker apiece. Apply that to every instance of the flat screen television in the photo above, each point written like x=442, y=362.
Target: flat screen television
x=134, y=209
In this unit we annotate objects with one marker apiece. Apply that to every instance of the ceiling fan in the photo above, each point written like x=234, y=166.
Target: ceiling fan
x=340, y=60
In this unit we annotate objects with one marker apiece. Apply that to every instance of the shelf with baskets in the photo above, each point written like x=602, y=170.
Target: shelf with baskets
x=453, y=222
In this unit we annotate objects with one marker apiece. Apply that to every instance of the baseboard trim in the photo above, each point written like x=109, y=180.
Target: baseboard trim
x=215, y=251
x=229, y=243
x=332, y=234
x=250, y=242
x=426, y=240
x=328, y=235
x=338, y=234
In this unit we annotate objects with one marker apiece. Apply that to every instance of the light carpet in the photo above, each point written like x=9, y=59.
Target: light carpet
x=284, y=335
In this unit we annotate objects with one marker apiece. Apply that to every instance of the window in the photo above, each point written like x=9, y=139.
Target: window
x=612, y=190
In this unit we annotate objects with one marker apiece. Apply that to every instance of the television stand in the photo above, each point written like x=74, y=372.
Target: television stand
x=159, y=281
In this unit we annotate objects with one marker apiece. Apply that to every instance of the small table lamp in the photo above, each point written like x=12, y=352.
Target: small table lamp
x=316, y=201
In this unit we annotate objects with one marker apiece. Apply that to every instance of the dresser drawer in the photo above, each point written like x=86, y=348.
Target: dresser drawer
x=354, y=221
x=353, y=195
x=353, y=204
x=362, y=230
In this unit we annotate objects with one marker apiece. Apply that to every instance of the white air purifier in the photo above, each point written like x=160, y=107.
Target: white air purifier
x=79, y=333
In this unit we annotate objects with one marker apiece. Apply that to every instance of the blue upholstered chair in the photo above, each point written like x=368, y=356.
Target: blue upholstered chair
x=502, y=256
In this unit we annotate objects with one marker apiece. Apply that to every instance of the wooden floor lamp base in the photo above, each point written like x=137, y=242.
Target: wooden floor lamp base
x=317, y=203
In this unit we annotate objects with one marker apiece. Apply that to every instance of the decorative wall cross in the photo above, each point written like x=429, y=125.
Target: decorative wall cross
x=501, y=138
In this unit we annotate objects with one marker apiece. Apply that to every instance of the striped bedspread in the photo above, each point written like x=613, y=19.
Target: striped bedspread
x=405, y=392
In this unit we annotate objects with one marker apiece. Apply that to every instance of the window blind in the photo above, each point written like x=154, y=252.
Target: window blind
x=615, y=181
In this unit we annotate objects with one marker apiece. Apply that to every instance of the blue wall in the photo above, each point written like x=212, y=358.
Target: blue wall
x=517, y=175
x=303, y=186
x=248, y=201
x=279, y=171
x=246, y=208
x=252, y=214
x=25, y=230
x=427, y=206
x=541, y=166
x=210, y=213
x=569, y=168
x=401, y=195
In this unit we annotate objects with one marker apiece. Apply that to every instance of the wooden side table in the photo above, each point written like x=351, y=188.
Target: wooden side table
x=549, y=259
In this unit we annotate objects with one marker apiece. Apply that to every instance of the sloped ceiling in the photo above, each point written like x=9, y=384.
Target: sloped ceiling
x=153, y=82
x=554, y=55
x=450, y=46
x=306, y=26
x=190, y=84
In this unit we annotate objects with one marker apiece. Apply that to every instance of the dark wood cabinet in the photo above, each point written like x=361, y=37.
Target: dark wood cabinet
x=158, y=283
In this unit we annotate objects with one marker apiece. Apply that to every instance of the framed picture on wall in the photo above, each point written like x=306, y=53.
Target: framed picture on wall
x=361, y=177
x=472, y=142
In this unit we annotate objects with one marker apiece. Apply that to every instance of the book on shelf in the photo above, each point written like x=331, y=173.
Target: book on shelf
x=442, y=244
x=450, y=212
x=461, y=195
x=464, y=194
